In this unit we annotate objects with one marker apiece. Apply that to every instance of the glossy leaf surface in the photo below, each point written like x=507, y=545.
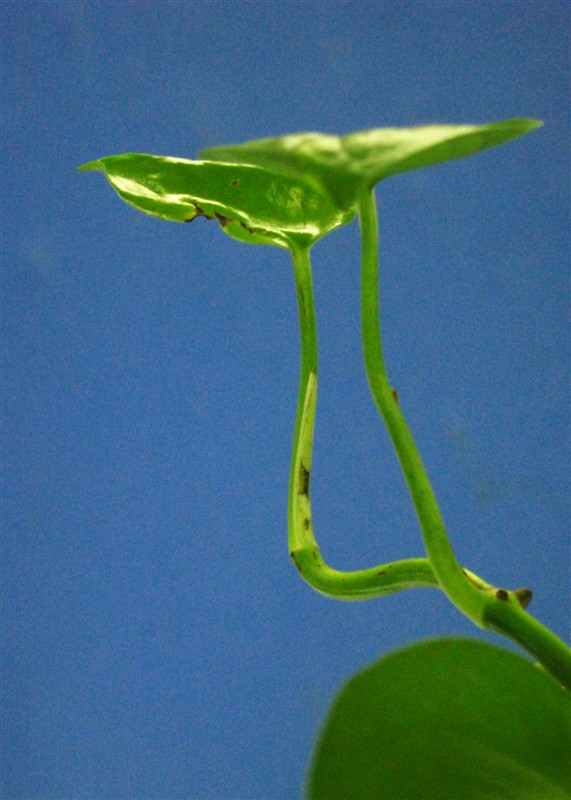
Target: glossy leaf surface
x=344, y=165
x=450, y=718
x=250, y=203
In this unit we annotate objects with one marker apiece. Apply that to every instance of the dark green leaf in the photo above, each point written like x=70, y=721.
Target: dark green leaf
x=451, y=719
x=250, y=203
x=345, y=165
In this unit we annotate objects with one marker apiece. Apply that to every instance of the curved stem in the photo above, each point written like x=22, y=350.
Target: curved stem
x=361, y=584
x=490, y=608
x=444, y=563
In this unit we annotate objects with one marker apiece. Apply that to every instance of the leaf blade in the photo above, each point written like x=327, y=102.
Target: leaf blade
x=427, y=145
x=343, y=166
x=250, y=203
x=442, y=719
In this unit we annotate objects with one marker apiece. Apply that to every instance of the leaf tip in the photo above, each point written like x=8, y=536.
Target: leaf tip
x=523, y=125
x=531, y=123
x=89, y=165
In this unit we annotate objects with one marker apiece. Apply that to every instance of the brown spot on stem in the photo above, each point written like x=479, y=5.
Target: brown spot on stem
x=524, y=596
x=303, y=480
x=302, y=304
x=293, y=557
x=502, y=595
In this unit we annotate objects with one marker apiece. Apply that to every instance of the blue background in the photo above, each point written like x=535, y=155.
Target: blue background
x=157, y=641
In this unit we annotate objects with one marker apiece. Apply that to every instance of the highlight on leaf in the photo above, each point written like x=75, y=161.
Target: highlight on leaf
x=343, y=166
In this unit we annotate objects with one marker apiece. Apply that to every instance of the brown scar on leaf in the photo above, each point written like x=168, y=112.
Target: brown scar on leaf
x=198, y=212
x=222, y=219
x=395, y=394
x=502, y=595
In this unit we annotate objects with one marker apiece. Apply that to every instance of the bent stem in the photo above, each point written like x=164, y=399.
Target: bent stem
x=487, y=606
x=444, y=563
x=304, y=551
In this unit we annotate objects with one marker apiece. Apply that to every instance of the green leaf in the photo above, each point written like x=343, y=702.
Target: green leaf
x=344, y=166
x=250, y=203
x=450, y=719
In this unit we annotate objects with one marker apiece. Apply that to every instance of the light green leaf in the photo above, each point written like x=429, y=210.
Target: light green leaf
x=250, y=203
x=450, y=719
x=344, y=165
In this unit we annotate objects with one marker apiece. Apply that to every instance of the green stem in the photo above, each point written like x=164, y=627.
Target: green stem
x=504, y=615
x=444, y=563
x=490, y=608
x=361, y=584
